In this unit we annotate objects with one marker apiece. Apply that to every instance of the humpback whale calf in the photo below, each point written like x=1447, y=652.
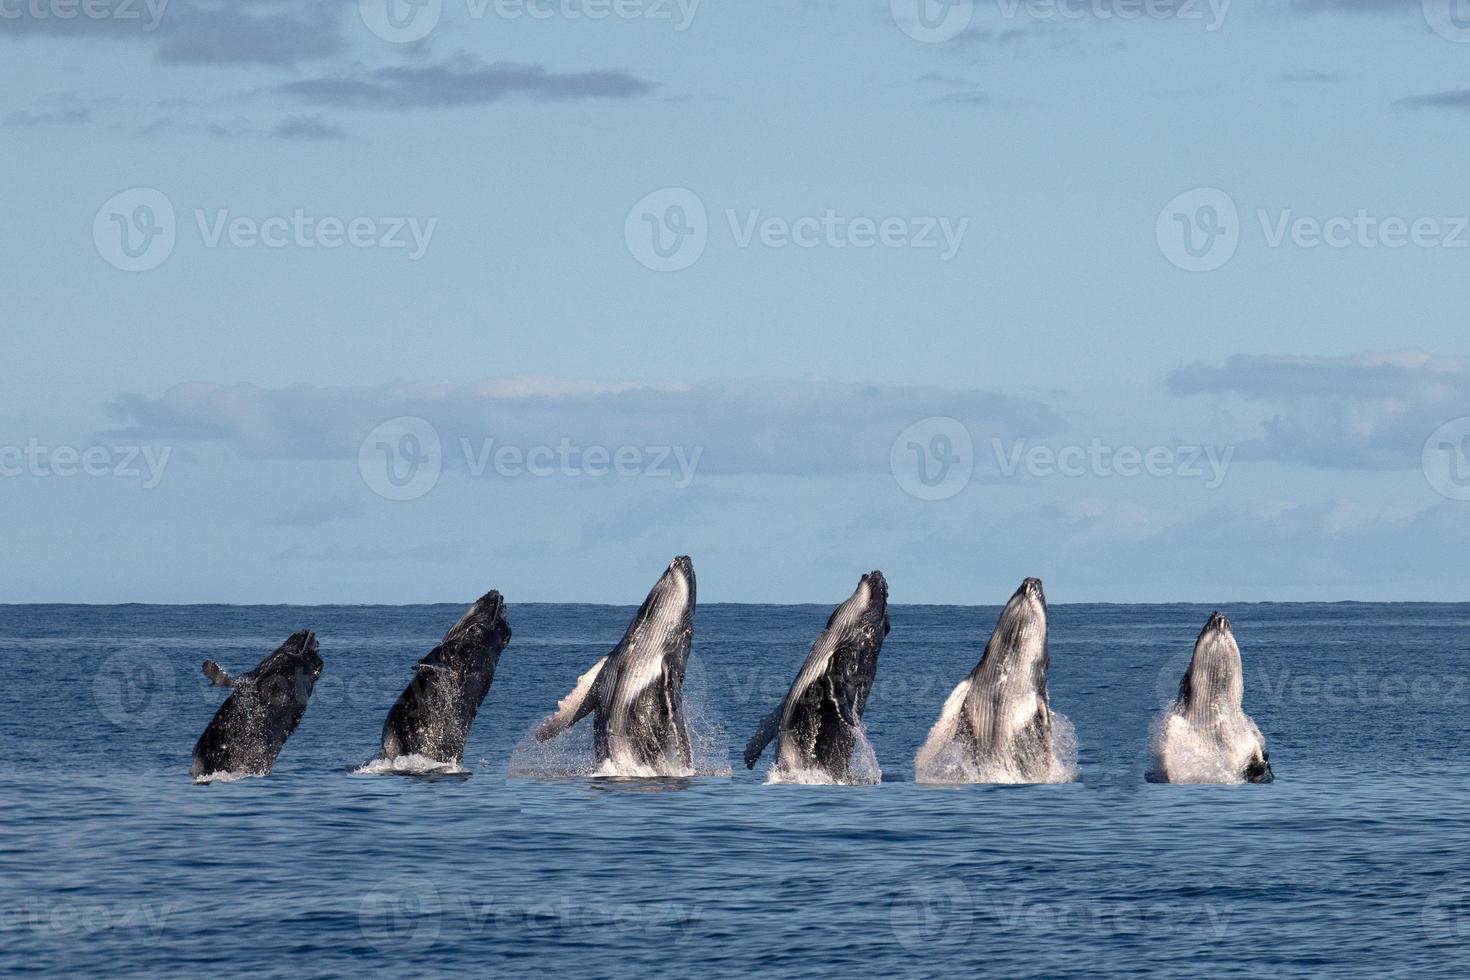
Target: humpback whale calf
x=265, y=706
x=636, y=693
x=820, y=721
x=433, y=715
x=1205, y=736
x=997, y=726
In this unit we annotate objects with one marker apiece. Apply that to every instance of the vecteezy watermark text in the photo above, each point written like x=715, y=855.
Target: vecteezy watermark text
x=34, y=459
x=136, y=230
x=669, y=229
x=1201, y=229
x=415, y=912
x=406, y=21
x=938, y=21
x=149, y=13
x=403, y=458
x=1207, y=463
x=934, y=459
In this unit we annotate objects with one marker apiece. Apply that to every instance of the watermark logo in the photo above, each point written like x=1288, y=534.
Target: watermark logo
x=1207, y=463
x=1445, y=917
x=933, y=459
x=667, y=231
x=1199, y=230
x=133, y=689
x=1450, y=19
x=1446, y=459
x=401, y=459
x=1166, y=683
x=400, y=21
x=1120, y=10
x=148, y=12
x=932, y=21
x=402, y=913
x=406, y=21
x=135, y=230
x=41, y=461
x=53, y=920
x=933, y=916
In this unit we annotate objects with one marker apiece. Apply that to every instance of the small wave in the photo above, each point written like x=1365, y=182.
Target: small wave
x=225, y=777
x=410, y=765
x=955, y=761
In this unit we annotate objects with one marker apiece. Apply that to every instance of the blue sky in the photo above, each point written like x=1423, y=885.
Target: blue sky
x=1166, y=307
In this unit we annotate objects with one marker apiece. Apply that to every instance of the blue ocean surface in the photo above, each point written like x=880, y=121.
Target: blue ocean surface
x=1354, y=862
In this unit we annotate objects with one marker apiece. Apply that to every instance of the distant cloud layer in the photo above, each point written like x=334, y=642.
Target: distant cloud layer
x=792, y=427
x=462, y=81
x=1456, y=100
x=1367, y=411
x=282, y=35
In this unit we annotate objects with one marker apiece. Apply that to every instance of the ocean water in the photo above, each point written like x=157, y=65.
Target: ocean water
x=1355, y=861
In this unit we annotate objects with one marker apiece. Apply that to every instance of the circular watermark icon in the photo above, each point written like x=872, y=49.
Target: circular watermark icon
x=1445, y=917
x=132, y=689
x=933, y=459
x=400, y=21
x=931, y=916
x=135, y=230
x=667, y=230
x=401, y=459
x=401, y=913
x=1446, y=459
x=1450, y=19
x=932, y=21
x=1199, y=230
x=1166, y=685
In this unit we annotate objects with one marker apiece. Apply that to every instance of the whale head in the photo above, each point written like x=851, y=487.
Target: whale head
x=483, y=625
x=298, y=659
x=1214, y=683
x=1020, y=634
x=870, y=601
x=675, y=586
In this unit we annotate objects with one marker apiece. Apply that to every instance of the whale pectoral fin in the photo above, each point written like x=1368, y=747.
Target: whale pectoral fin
x=218, y=676
x=1258, y=770
x=952, y=724
x=845, y=708
x=430, y=661
x=575, y=706
x=766, y=731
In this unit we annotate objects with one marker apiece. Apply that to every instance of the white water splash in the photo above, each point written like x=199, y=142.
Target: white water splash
x=952, y=759
x=862, y=769
x=226, y=777
x=1185, y=753
x=573, y=754
x=409, y=765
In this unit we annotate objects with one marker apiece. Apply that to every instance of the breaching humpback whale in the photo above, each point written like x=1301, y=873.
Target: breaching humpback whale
x=820, y=721
x=636, y=692
x=251, y=727
x=433, y=715
x=1206, y=736
x=997, y=726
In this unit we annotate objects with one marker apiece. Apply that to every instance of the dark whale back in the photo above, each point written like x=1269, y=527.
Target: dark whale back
x=817, y=723
x=434, y=714
x=249, y=730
